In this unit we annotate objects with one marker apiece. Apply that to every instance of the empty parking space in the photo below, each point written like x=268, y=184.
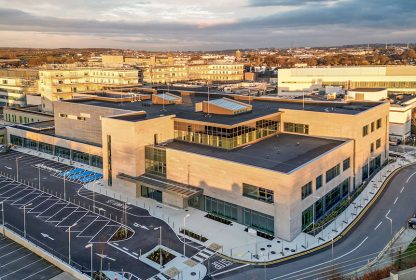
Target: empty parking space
x=17, y=262
x=92, y=229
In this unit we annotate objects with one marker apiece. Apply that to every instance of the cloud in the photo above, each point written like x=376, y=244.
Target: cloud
x=180, y=24
x=269, y=3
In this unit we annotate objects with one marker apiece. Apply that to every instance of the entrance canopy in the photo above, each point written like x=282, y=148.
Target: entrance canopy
x=163, y=185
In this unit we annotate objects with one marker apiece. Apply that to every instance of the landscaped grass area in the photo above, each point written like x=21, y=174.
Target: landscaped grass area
x=409, y=256
x=155, y=256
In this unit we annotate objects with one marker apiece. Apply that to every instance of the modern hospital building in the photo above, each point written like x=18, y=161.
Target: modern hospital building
x=272, y=165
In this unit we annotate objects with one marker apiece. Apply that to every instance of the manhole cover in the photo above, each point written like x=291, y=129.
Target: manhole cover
x=272, y=252
x=262, y=249
x=193, y=273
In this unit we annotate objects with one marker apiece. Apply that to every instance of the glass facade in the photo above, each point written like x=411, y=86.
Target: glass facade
x=258, y=193
x=221, y=208
x=296, y=128
x=16, y=140
x=155, y=161
x=81, y=157
x=259, y=221
x=324, y=205
x=30, y=144
x=226, y=138
x=62, y=152
x=45, y=148
x=251, y=218
x=96, y=161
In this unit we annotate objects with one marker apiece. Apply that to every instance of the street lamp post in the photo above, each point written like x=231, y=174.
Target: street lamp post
x=39, y=176
x=69, y=243
x=184, y=230
x=2, y=218
x=160, y=245
x=17, y=168
x=64, y=186
x=90, y=245
x=24, y=219
x=93, y=196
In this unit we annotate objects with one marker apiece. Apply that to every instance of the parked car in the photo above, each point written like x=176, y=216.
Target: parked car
x=412, y=222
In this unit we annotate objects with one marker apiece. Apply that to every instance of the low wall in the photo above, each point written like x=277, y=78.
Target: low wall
x=44, y=254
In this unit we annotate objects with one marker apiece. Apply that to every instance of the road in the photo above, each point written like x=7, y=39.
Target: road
x=363, y=242
x=49, y=211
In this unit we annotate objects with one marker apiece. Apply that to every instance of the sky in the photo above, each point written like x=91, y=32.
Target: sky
x=171, y=25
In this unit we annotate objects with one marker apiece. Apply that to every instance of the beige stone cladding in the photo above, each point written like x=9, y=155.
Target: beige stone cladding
x=349, y=126
x=53, y=140
x=223, y=179
x=128, y=141
x=81, y=121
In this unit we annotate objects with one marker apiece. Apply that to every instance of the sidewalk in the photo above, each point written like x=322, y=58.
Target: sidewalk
x=239, y=244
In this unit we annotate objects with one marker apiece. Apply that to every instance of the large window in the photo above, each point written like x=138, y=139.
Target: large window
x=45, y=148
x=258, y=193
x=62, y=152
x=364, y=171
x=221, y=208
x=333, y=172
x=259, y=221
x=319, y=182
x=28, y=143
x=346, y=164
x=378, y=143
x=365, y=130
x=378, y=123
x=296, y=128
x=97, y=161
x=226, y=138
x=81, y=157
x=155, y=161
x=307, y=217
x=306, y=190
x=16, y=140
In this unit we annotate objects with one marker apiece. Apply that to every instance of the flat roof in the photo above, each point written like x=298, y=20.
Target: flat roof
x=283, y=152
x=262, y=107
x=367, y=89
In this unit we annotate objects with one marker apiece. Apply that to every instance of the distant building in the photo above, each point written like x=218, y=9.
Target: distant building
x=220, y=72
x=393, y=78
x=62, y=83
x=16, y=84
x=238, y=56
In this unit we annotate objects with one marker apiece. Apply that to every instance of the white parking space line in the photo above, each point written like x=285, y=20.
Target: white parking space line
x=8, y=253
x=13, y=272
x=15, y=260
x=7, y=245
x=395, y=200
x=379, y=224
x=33, y=274
x=402, y=189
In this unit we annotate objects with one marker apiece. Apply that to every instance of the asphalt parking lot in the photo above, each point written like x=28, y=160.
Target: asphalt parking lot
x=16, y=262
x=58, y=212
x=50, y=211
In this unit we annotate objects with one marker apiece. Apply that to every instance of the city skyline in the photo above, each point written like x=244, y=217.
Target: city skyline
x=185, y=25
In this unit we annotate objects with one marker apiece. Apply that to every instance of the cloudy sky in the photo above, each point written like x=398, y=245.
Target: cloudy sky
x=204, y=24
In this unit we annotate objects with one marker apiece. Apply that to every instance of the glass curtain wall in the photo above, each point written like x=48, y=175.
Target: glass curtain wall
x=226, y=138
